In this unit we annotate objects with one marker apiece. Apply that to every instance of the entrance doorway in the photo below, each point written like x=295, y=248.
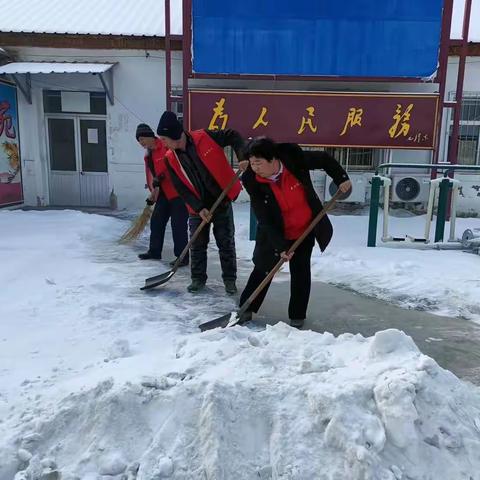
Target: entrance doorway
x=78, y=161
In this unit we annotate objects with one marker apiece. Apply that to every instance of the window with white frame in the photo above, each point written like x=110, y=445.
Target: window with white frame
x=469, y=129
x=177, y=104
x=360, y=159
x=355, y=158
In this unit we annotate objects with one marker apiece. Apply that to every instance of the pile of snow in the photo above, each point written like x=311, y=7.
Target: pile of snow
x=99, y=381
x=278, y=404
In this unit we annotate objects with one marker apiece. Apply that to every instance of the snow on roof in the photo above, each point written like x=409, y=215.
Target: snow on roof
x=144, y=18
x=54, y=67
x=96, y=17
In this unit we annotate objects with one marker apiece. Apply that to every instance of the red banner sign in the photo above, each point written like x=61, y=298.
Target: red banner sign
x=377, y=120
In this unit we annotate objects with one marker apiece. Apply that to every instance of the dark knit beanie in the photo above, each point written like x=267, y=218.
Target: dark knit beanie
x=169, y=126
x=143, y=130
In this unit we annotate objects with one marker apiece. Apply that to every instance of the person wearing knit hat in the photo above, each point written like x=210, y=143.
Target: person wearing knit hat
x=144, y=131
x=168, y=204
x=169, y=126
x=200, y=172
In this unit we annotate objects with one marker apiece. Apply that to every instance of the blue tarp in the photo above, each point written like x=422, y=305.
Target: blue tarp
x=366, y=38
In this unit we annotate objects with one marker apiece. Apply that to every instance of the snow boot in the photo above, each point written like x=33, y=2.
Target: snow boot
x=230, y=287
x=149, y=256
x=297, y=322
x=196, y=285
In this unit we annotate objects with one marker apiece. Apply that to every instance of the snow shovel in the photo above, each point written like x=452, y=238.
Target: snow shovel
x=232, y=319
x=158, y=280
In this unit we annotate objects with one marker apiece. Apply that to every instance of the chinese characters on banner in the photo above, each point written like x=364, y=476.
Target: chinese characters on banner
x=10, y=167
x=324, y=119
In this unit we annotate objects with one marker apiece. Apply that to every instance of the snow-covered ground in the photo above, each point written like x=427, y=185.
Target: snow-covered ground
x=99, y=381
x=444, y=282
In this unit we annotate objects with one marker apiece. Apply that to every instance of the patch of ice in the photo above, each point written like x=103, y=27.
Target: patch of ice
x=112, y=464
x=120, y=348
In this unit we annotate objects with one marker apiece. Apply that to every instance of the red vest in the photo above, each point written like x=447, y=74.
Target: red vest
x=161, y=171
x=215, y=161
x=292, y=200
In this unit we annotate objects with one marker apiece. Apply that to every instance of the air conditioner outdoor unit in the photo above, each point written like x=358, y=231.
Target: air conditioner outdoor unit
x=357, y=194
x=410, y=188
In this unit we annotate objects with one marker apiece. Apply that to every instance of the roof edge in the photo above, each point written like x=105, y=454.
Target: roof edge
x=88, y=41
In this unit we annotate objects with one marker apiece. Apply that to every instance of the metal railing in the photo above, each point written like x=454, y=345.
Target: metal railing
x=446, y=167
x=443, y=197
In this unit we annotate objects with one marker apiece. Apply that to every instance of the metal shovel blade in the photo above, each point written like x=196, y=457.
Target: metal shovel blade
x=158, y=280
x=220, y=322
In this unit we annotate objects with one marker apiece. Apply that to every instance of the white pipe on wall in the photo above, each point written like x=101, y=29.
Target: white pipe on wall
x=387, y=182
x=453, y=214
x=386, y=203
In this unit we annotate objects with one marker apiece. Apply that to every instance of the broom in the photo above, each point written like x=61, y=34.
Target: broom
x=137, y=226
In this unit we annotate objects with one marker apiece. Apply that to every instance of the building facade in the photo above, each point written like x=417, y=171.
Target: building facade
x=77, y=118
x=78, y=145
x=85, y=79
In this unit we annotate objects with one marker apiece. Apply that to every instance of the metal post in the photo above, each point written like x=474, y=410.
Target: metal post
x=453, y=150
x=374, y=205
x=442, y=209
x=442, y=75
x=457, y=110
x=168, y=58
x=431, y=200
x=187, y=59
x=387, y=182
x=453, y=216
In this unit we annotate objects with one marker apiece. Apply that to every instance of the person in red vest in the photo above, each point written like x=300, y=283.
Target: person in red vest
x=277, y=178
x=200, y=171
x=168, y=204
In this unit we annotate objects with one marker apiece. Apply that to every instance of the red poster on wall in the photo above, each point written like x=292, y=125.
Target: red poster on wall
x=11, y=191
x=333, y=119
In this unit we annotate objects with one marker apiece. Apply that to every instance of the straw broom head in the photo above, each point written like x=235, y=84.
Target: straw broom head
x=137, y=227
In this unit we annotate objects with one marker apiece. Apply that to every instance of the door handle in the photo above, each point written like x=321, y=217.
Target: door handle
x=81, y=173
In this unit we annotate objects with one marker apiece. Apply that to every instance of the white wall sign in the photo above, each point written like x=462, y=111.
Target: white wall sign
x=92, y=135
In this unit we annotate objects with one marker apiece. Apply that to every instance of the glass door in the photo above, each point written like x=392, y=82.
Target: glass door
x=64, y=176
x=78, y=161
x=94, y=185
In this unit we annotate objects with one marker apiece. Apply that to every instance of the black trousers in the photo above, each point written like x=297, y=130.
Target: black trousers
x=224, y=233
x=163, y=211
x=300, y=282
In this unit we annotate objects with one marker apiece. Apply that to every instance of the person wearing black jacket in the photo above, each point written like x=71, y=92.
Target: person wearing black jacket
x=200, y=172
x=277, y=178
